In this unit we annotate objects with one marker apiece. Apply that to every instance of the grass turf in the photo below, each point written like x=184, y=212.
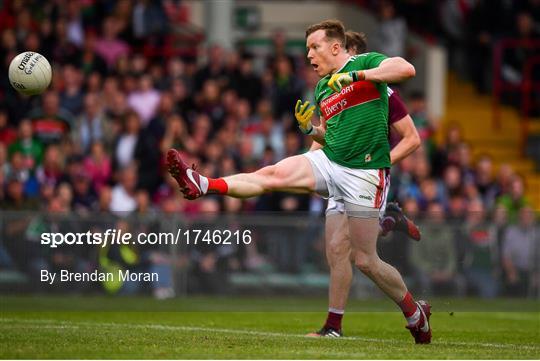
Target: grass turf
x=224, y=328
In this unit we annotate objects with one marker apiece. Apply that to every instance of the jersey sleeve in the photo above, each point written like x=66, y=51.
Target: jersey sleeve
x=369, y=60
x=396, y=107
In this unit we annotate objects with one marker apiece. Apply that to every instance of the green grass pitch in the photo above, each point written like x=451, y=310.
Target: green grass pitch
x=247, y=328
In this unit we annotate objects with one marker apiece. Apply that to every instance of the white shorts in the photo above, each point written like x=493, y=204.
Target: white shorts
x=358, y=192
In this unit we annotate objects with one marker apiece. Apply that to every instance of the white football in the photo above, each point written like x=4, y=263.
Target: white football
x=30, y=73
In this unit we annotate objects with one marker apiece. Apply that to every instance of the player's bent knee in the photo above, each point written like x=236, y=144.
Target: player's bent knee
x=366, y=264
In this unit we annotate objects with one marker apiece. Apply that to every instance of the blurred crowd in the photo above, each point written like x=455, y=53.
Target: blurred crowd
x=469, y=29
x=95, y=142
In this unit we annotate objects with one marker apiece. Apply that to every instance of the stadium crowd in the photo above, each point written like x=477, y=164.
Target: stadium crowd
x=468, y=29
x=95, y=142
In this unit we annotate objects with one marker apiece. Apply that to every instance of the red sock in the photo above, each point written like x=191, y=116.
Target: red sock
x=407, y=305
x=217, y=185
x=334, y=320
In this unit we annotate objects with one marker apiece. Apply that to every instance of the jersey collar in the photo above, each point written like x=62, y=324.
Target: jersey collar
x=344, y=65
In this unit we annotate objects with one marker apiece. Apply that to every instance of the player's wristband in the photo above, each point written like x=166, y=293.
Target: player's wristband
x=357, y=75
x=311, y=131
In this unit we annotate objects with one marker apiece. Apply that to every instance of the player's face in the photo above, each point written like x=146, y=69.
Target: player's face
x=320, y=52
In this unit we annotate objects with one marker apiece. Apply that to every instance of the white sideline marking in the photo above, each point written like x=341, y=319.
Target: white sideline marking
x=77, y=324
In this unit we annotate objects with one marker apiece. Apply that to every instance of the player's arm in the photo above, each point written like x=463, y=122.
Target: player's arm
x=410, y=140
x=303, y=113
x=389, y=70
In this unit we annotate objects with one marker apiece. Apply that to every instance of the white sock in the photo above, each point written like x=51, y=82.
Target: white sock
x=335, y=310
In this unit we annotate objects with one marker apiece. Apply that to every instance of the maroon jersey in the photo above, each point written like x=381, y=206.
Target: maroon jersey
x=396, y=112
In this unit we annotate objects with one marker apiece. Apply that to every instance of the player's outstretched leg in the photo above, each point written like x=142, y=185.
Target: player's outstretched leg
x=293, y=174
x=363, y=233
x=395, y=220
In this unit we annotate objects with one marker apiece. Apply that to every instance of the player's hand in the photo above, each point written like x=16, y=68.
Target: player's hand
x=339, y=80
x=303, y=114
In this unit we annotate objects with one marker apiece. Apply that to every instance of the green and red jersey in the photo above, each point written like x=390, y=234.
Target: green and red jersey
x=356, y=118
